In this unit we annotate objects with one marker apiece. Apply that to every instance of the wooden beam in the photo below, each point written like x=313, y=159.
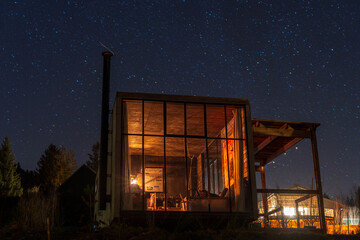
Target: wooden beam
x=264, y=143
x=318, y=180
x=260, y=160
x=304, y=198
x=264, y=195
x=282, y=149
x=275, y=210
x=263, y=131
x=287, y=191
x=272, y=121
x=279, y=209
x=267, y=141
x=180, y=98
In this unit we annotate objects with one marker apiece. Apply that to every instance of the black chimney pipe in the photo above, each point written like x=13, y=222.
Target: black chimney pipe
x=104, y=131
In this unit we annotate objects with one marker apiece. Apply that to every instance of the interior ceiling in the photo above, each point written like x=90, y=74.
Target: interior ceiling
x=266, y=147
x=154, y=123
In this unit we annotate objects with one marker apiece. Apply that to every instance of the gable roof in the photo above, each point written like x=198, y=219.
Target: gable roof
x=81, y=176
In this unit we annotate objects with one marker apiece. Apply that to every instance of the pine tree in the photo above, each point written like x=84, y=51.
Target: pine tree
x=10, y=182
x=94, y=157
x=66, y=165
x=47, y=168
x=54, y=167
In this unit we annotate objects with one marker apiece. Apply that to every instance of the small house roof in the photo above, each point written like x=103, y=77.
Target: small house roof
x=79, y=179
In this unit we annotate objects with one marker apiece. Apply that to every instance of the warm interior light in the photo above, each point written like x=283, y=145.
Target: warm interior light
x=289, y=211
x=301, y=210
x=134, y=181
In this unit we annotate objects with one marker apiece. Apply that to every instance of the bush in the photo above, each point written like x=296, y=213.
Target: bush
x=34, y=208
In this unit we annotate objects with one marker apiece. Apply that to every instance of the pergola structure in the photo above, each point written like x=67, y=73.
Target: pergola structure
x=272, y=138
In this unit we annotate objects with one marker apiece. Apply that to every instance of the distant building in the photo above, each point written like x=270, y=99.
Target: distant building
x=283, y=214
x=76, y=197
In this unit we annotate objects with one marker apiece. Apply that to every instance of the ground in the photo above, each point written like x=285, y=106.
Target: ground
x=13, y=231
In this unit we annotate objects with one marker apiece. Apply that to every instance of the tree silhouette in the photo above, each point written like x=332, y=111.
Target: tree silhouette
x=54, y=167
x=94, y=157
x=325, y=195
x=66, y=165
x=47, y=168
x=10, y=182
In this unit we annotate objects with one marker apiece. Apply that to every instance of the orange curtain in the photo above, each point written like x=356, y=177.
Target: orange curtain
x=238, y=163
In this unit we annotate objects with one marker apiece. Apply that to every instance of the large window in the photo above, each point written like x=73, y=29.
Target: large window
x=184, y=157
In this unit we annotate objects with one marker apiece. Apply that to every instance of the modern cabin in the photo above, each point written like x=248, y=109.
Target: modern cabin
x=174, y=155
x=177, y=154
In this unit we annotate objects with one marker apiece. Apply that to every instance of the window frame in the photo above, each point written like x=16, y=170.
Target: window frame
x=185, y=136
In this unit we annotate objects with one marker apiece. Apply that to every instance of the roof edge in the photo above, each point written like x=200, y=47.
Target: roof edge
x=186, y=98
x=284, y=121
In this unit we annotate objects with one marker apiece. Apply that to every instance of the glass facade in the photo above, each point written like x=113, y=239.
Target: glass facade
x=182, y=156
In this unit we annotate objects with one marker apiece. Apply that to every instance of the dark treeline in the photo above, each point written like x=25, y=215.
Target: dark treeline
x=32, y=195
x=55, y=165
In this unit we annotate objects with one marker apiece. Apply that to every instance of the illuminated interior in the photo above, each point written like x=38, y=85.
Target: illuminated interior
x=182, y=156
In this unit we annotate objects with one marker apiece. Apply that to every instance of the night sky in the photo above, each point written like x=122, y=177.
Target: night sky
x=294, y=60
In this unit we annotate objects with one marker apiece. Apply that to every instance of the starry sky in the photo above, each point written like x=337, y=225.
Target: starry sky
x=294, y=60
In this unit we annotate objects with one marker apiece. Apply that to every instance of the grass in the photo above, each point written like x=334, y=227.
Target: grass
x=32, y=212
x=122, y=231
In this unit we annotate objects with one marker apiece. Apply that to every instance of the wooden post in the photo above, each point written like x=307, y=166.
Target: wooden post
x=264, y=195
x=340, y=223
x=316, y=164
x=297, y=214
x=348, y=221
x=297, y=206
x=282, y=217
x=48, y=227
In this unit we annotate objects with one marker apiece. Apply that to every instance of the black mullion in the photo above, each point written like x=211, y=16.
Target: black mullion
x=217, y=165
x=164, y=129
x=213, y=174
x=227, y=157
x=122, y=154
x=247, y=151
x=143, y=156
x=186, y=161
x=139, y=134
x=207, y=154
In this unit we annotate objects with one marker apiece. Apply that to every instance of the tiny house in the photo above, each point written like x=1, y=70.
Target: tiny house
x=178, y=154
